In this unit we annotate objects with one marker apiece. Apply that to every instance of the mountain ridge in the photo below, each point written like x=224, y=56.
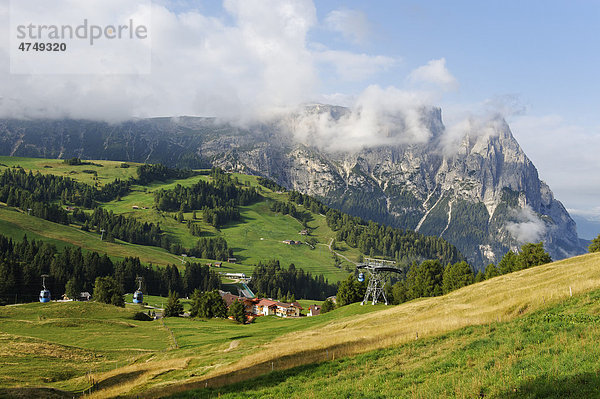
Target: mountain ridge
x=478, y=189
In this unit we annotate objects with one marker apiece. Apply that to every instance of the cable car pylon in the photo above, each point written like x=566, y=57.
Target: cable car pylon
x=376, y=268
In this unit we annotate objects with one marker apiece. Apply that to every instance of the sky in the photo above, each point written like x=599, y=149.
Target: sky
x=535, y=62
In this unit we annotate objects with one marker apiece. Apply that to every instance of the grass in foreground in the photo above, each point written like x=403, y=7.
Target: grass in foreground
x=55, y=344
x=500, y=299
x=551, y=354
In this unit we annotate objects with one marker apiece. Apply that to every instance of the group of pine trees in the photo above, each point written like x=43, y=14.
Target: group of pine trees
x=210, y=304
x=211, y=248
x=271, y=280
x=41, y=196
x=218, y=199
x=288, y=208
x=23, y=189
x=270, y=184
x=148, y=173
x=72, y=271
x=125, y=228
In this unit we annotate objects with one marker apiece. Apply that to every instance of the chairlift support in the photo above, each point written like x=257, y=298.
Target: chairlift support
x=44, y=293
x=376, y=268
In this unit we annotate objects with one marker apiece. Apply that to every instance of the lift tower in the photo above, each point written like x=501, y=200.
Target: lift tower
x=376, y=269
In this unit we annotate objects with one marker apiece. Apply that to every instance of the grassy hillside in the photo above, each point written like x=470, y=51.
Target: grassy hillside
x=56, y=344
x=67, y=345
x=552, y=353
x=16, y=224
x=497, y=300
x=258, y=236
x=511, y=332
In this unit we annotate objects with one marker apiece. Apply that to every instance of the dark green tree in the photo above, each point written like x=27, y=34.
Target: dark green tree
x=208, y=305
x=491, y=271
x=350, y=291
x=456, y=276
x=479, y=277
x=508, y=263
x=108, y=290
x=327, y=306
x=237, y=311
x=595, y=245
x=174, y=308
x=73, y=288
x=196, y=298
x=532, y=255
x=425, y=279
x=399, y=294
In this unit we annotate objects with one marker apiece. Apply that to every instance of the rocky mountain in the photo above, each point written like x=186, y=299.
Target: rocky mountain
x=477, y=189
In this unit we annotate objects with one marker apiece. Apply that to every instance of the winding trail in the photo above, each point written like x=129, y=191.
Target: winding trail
x=337, y=253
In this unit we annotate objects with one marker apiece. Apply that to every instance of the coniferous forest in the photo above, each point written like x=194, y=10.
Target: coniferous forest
x=271, y=280
x=22, y=264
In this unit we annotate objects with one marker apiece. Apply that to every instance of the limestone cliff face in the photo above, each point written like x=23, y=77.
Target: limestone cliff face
x=482, y=193
x=478, y=190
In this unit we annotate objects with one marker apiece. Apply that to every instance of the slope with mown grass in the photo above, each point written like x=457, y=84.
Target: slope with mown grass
x=497, y=300
x=56, y=344
x=550, y=353
x=504, y=316
x=67, y=345
x=259, y=235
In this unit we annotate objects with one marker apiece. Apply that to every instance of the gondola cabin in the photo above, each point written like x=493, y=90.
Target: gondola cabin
x=44, y=293
x=361, y=277
x=44, y=296
x=138, y=297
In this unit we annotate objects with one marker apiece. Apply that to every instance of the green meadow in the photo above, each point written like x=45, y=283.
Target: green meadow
x=65, y=345
x=258, y=236
x=551, y=354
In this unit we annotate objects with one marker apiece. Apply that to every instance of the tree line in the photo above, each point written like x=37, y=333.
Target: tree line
x=124, y=228
x=375, y=239
x=271, y=280
x=36, y=187
x=71, y=269
x=218, y=199
x=431, y=278
x=270, y=184
x=25, y=189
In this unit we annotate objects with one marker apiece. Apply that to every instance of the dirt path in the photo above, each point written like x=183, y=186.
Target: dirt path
x=337, y=253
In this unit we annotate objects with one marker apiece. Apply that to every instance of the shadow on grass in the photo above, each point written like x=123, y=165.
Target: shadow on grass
x=27, y=393
x=249, y=386
x=236, y=255
x=240, y=337
x=119, y=379
x=585, y=385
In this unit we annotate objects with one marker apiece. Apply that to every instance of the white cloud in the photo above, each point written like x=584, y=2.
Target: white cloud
x=353, y=25
x=378, y=116
x=434, y=73
x=254, y=60
x=528, y=226
x=243, y=65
